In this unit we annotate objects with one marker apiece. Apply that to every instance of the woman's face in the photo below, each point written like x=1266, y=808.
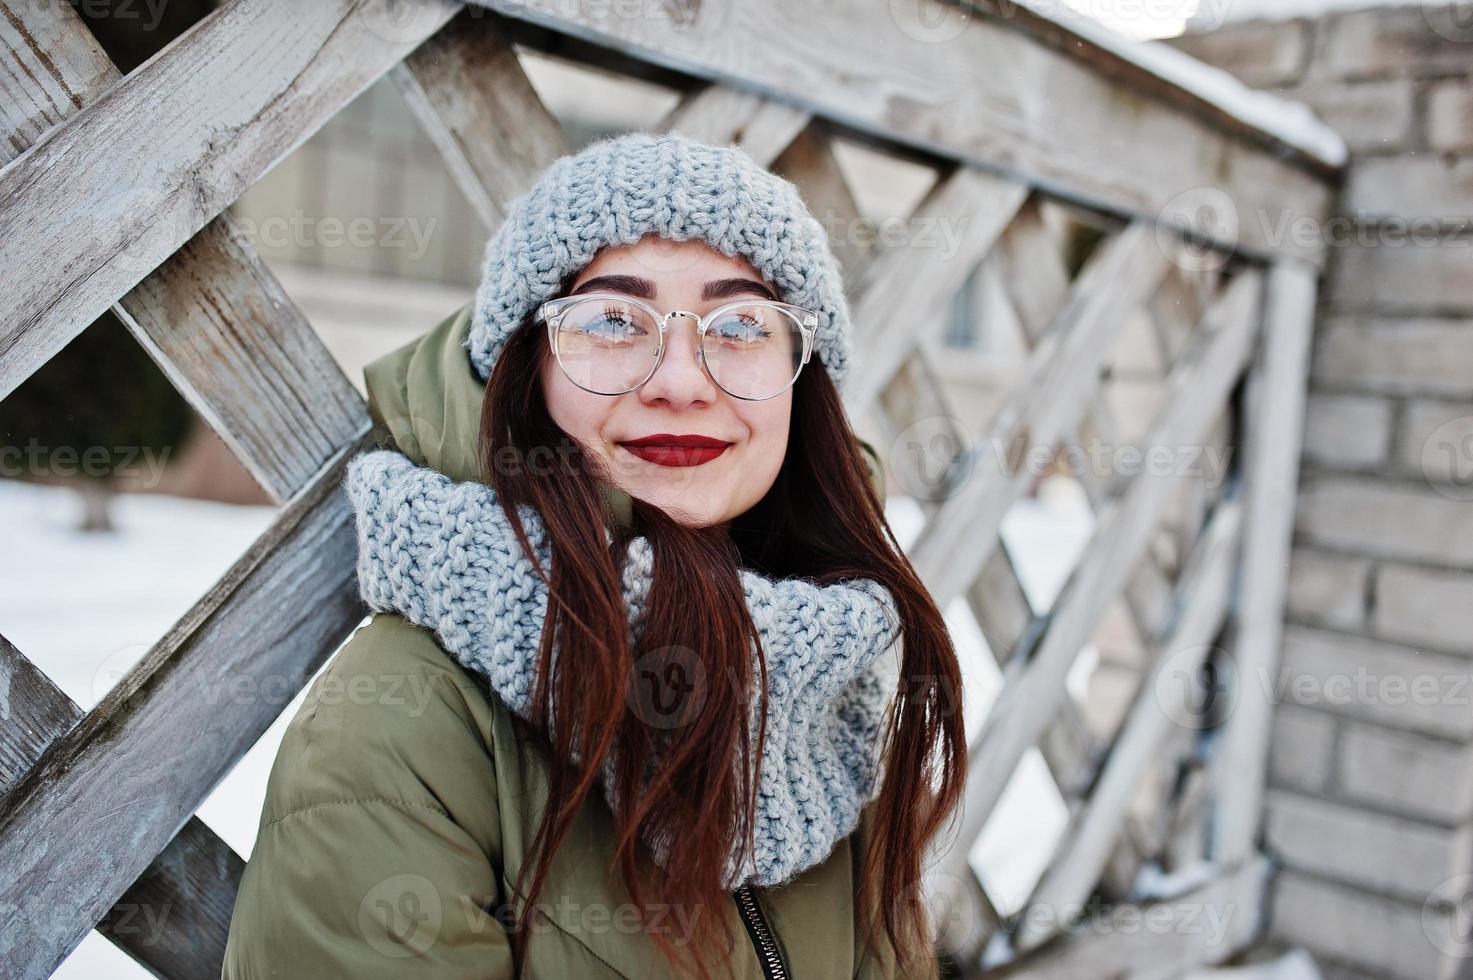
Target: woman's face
x=680, y=399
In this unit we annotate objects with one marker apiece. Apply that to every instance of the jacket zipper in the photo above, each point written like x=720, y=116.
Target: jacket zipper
x=768, y=954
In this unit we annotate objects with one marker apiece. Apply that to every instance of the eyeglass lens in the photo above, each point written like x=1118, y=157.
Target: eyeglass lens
x=609, y=346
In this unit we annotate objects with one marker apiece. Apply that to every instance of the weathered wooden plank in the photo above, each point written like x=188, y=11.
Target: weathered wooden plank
x=47, y=70
x=104, y=197
x=222, y=328
x=1163, y=939
x=1059, y=379
x=212, y=315
x=1034, y=277
x=905, y=290
x=971, y=89
x=480, y=110
x=175, y=918
x=1079, y=861
x=1275, y=397
x=810, y=163
x=924, y=457
x=723, y=115
x=33, y=714
x=1199, y=387
x=80, y=827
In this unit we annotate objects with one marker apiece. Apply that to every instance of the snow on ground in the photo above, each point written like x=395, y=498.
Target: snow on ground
x=86, y=607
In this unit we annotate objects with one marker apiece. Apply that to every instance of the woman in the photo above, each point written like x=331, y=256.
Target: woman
x=650, y=689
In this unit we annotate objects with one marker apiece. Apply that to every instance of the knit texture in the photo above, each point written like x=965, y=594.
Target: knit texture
x=444, y=555
x=620, y=188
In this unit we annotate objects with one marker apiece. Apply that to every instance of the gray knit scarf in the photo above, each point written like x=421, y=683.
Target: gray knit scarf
x=443, y=554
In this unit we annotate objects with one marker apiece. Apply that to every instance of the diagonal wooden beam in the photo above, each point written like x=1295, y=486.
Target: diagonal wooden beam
x=723, y=115
x=49, y=71
x=108, y=194
x=1203, y=926
x=192, y=882
x=1035, y=281
x=478, y=107
x=1067, y=745
x=1176, y=657
x=1033, y=688
x=1061, y=376
x=224, y=331
x=905, y=290
x=809, y=162
x=108, y=796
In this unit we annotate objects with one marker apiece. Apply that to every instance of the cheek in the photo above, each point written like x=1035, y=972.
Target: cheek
x=767, y=446
x=578, y=413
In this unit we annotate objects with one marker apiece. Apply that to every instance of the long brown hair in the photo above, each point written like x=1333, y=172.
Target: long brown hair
x=822, y=520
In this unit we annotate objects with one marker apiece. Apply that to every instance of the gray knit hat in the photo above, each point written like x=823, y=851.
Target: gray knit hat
x=620, y=188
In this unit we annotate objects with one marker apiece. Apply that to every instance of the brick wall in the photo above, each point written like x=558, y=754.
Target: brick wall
x=1370, y=805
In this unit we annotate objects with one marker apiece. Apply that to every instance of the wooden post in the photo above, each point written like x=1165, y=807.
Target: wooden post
x=1275, y=422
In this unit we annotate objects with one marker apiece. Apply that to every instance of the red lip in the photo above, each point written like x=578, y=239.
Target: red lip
x=666, y=449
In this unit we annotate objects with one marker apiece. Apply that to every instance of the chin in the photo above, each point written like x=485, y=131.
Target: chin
x=683, y=505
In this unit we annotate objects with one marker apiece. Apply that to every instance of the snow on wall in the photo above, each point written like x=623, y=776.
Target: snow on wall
x=1214, y=13
x=1291, y=122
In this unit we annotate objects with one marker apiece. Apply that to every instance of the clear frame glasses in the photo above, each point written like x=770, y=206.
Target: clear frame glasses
x=610, y=343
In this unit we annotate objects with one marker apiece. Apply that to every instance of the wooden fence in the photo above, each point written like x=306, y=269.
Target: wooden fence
x=113, y=194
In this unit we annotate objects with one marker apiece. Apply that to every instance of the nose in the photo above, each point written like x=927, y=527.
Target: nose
x=680, y=380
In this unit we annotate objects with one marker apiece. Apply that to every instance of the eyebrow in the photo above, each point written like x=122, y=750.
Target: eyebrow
x=645, y=289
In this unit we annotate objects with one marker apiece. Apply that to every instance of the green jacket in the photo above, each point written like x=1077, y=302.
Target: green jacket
x=405, y=794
